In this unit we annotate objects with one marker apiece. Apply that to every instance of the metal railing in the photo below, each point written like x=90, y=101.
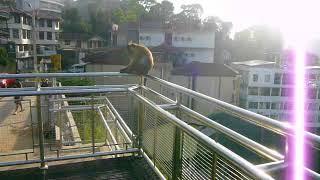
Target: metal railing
x=134, y=119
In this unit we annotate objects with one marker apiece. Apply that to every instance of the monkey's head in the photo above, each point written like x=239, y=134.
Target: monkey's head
x=131, y=46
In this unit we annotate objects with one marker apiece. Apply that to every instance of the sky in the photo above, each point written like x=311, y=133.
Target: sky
x=286, y=15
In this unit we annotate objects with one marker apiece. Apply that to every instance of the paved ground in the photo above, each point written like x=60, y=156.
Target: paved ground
x=15, y=130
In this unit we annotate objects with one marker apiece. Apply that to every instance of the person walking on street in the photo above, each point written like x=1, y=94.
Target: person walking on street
x=18, y=99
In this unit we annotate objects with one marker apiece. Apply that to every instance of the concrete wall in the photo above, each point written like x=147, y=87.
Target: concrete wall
x=156, y=38
x=194, y=39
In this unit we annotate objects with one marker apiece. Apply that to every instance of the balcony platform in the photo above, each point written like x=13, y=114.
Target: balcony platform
x=118, y=168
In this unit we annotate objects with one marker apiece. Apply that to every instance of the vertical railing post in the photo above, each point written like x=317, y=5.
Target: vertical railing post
x=214, y=166
x=40, y=128
x=92, y=124
x=141, y=115
x=178, y=145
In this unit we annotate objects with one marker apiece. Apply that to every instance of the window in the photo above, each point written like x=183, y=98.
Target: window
x=56, y=24
x=49, y=35
x=182, y=38
x=189, y=39
x=20, y=47
x=57, y=36
x=49, y=23
x=141, y=38
x=264, y=92
x=275, y=92
x=25, y=20
x=78, y=45
x=312, y=93
x=67, y=42
x=253, y=91
x=41, y=23
x=286, y=92
x=41, y=35
x=176, y=38
x=15, y=33
x=24, y=34
x=275, y=105
x=17, y=19
x=277, y=78
x=312, y=106
x=253, y=105
x=26, y=47
x=264, y=105
x=255, y=78
x=287, y=79
x=28, y=34
x=288, y=106
x=267, y=78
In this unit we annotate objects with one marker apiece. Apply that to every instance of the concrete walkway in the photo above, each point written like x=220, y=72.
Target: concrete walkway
x=15, y=130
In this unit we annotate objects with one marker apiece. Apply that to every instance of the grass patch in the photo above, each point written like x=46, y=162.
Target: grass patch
x=84, y=124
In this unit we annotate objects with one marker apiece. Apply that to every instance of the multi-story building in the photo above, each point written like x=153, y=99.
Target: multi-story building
x=267, y=88
x=48, y=16
x=195, y=44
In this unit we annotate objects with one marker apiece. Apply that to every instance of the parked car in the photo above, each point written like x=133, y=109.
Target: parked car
x=5, y=83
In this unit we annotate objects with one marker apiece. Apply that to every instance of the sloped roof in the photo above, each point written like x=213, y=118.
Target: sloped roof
x=14, y=10
x=77, y=36
x=116, y=56
x=204, y=69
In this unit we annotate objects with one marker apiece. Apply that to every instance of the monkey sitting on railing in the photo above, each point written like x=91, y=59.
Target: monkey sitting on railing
x=141, y=60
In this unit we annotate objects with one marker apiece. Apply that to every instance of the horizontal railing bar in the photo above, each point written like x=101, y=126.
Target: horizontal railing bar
x=210, y=143
x=76, y=107
x=169, y=106
x=257, y=119
x=59, y=92
x=63, y=75
x=97, y=154
x=237, y=137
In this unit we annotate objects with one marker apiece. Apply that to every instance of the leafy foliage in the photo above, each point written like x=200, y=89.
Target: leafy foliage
x=76, y=82
x=4, y=58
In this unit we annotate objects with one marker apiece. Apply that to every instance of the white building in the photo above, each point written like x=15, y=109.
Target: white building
x=267, y=89
x=54, y=6
x=196, y=45
x=47, y=35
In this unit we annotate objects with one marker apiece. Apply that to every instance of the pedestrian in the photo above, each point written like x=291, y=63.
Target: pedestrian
x=18, y=99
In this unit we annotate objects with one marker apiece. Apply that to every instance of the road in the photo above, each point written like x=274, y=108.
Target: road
x=15, y=130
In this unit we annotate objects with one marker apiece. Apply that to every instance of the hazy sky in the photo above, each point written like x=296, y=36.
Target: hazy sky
x=288, y=15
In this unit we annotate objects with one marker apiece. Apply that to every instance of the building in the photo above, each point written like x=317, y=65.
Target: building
x=47, y=36
x=195, y=44
x=267, y=88
x=48, y=6
x=81, y=41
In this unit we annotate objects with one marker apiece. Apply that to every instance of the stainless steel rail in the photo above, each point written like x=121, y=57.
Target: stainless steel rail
x=250, y=144
x=60, y=92
x=257, y=119
x=64, y=75
x=229, y=155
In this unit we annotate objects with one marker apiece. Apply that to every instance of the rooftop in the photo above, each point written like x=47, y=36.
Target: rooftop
x=254, y=63
x=204, y=69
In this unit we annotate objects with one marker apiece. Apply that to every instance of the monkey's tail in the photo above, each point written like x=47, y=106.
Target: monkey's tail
x=125, y=70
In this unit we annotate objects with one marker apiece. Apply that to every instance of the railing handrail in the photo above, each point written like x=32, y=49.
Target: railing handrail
x=251, y=117
x=63, y=75
x=210, y=143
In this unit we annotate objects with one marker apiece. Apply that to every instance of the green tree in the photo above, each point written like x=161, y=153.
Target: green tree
x=5, y=60
x=256, y=43
x=73, y=22
x=161, y=11
x=189, y=17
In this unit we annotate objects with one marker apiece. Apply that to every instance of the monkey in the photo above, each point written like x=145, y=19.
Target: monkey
x=141, y=60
